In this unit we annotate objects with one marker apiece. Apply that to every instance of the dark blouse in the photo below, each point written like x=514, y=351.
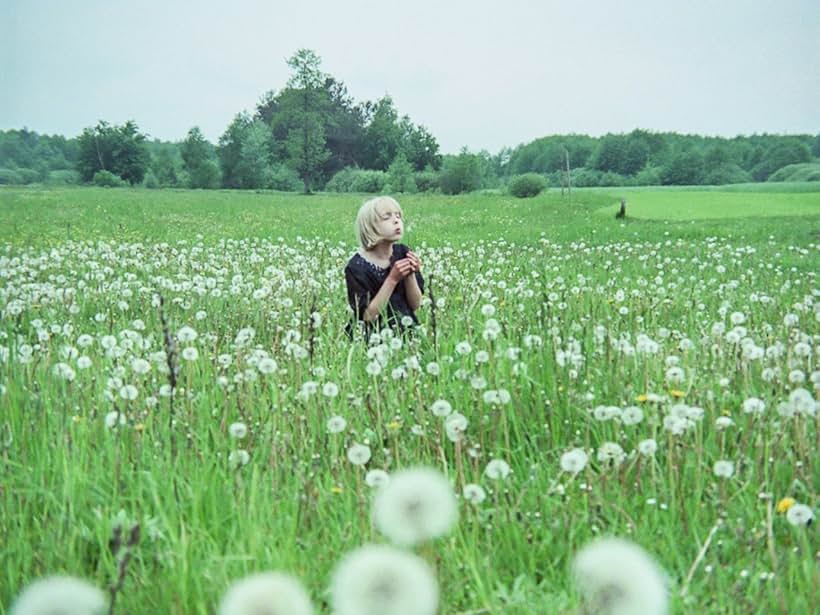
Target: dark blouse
x=364, y=279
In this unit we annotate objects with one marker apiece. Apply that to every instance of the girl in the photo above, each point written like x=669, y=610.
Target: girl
x=383, y=273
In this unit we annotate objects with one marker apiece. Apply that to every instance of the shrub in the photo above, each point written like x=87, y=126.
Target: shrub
x=150, y=180
x=426, y=181
x=527, y=185
x=284, y=178
x=400, y=175
x=10, y=176
x=342, y=181
x=648, y=176
x=728, y=173
x=369, y=181
x=460, y=173
x=801, y=172
x=63, y=177
x=107, y=179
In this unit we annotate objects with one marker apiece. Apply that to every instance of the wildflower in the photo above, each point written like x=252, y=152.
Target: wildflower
x=373, y=368
x=74, y=597
x=497, y=469
x=753, y=405
x=377, y=478
x=611, y=453
x=336, y=424
x=416, y=505
x=358, y=454
x=186, y=334
x=642, y=397
x=330, y=389
x=239, y=457
x=488, y=309
x=83, y=362
x=238, y=430
x=64, y=371
x=381, y=580
x=482, y=356
x=647, y=447
x=266, y=593
x=631, y=415
x=675, y=375
x=800, y=514
x=463, y=348
x=474, y=494
x=724, y=469
x=722, y=422
x=617, y=576
x=190, y=353
x=433, y=368
x=267, y=365
x=455, y=425
x=129, y=392
x=677, y=393
x=113, y=418
x=441, y=407
x=573, y=461
x=785, y=504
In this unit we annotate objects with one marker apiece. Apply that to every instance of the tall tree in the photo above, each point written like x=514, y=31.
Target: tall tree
x=305, y=144
x=229, y=149
x=198, y=160
x=118, y=149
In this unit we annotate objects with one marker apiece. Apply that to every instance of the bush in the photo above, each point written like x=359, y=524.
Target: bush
x=107, y=179
x=648, y=176
x=369, y=181
x=527, y=185
x=286, y=179
x=584, y=177
x=400, y=175
x=728, y=173
x=9, y=177
x=342, y=181
x=801, y=172
x=426, y=181
x=150, y=180
x=63, y=177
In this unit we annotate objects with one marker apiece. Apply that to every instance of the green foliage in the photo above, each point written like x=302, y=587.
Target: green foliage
x=62, y=177
x=780, y=155
x=367, y=180
x=460, y=173
x=650, y=175
x=253, y=169
x=427, y=180
x=118, y=149
x=229, y=150
x=282, y=177
x=198, y=160
x=725, y=173
x=400, y=175
x=150, y=181
x=106, y=179
x=683, y=169
x=527, y=185
x=10, y=177
x=342, y=181
x=801, y=172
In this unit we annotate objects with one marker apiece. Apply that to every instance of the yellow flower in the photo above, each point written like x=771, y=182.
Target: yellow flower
x=139, y=427
x=785, y=504
x=336, y=489
x=677, y=393
x=76, y=418
x=394, y=425
x=642, y=397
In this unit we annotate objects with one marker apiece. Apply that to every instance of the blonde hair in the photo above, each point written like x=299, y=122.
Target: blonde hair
x=368, y=216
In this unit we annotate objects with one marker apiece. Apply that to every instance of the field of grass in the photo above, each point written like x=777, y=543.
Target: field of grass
x=679, y=355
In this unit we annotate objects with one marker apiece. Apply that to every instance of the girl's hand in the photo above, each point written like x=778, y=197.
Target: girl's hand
x=415, y=260
x=400, y=270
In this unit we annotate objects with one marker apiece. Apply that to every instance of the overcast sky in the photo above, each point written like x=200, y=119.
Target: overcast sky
x=475, y=73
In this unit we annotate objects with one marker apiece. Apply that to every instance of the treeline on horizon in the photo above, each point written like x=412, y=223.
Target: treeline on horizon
x=312, y=135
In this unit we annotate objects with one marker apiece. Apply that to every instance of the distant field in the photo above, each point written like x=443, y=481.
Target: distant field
x=664, y=204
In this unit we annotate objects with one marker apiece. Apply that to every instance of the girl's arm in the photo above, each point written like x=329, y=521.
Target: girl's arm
x=398, y=272
x=411, y=288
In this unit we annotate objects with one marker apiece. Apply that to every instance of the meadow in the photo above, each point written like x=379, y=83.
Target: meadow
x=653, y=378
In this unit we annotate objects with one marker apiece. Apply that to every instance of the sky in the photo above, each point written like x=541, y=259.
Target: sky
x=476, y=74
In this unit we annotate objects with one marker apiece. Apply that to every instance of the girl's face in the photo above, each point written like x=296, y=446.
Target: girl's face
x=389, y=223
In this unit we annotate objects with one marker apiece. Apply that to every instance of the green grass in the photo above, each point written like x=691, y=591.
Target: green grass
x=686, y=205
x=91, y=261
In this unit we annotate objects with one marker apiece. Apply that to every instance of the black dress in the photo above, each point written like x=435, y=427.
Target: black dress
x=364, y=279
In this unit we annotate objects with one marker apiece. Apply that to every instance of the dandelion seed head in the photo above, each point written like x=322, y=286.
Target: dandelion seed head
x=266, y=593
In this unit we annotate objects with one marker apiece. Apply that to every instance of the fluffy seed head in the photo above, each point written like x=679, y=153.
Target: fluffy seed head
x=267, y=593
x=74, y=597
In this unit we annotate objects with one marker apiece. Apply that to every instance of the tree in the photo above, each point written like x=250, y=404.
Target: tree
x=120, y=150
x=229, y=149
x=198, y=160
x=305, y=143
x=382, y=136
x=460, y=173
x=400, y=175
x=254, y=170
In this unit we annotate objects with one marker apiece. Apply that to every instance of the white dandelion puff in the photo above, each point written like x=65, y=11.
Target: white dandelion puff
x=60, y=594
x=573, y=461
x=238, y=430
x=647, y=447
x=381, y=580
x=239, y=458
x=190, y=353
x=266, y=593
x=330, y=389
x=441, y=407
x=800, y=515
x=416, y=505
x=474, y=494
x=724, y=469
x=620, y=578
x=358, y=454
x=376, y=478
x=497, y=469
x=186, y=334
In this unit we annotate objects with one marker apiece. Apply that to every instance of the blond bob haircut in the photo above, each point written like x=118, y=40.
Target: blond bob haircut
x=368, y=216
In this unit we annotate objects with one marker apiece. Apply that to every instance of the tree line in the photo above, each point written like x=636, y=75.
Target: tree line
x=313, y=135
